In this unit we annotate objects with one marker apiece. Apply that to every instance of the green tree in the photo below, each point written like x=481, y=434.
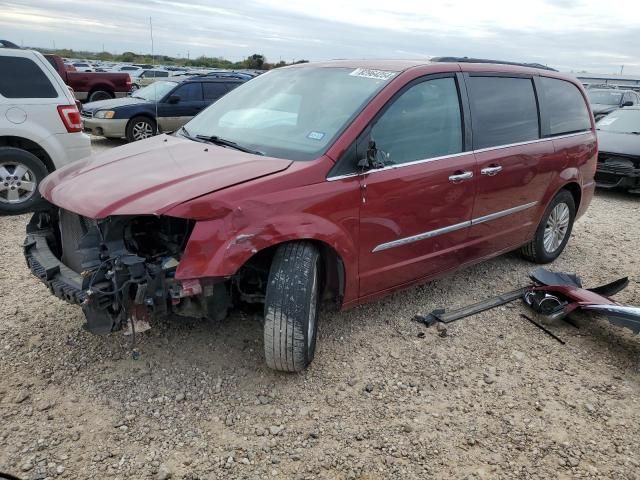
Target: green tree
x=127, y=57
x=255, y=62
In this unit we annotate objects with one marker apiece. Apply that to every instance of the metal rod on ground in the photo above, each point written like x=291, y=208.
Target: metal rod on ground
x=543, y=328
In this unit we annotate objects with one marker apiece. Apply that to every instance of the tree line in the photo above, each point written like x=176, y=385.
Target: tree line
x=252, y=62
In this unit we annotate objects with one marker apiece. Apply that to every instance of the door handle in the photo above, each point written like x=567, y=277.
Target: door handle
x=459, y=177
x=491, y=171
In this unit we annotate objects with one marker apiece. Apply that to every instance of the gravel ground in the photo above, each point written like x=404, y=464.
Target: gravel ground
x=491, y=397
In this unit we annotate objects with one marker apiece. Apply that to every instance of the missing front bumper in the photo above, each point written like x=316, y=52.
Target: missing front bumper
x=121, y=271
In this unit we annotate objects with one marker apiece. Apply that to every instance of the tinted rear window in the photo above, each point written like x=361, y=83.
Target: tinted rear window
x=27, y=80
x=564, y=109
x=504, y=111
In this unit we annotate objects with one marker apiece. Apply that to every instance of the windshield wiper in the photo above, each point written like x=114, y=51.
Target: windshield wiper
x=226, y=143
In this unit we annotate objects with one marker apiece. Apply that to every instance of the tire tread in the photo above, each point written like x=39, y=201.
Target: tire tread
x=287, y=306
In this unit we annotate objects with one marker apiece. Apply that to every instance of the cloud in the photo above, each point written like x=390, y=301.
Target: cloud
x=569, y=34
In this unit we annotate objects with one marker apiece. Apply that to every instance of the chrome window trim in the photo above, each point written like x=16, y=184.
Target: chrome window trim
x=452, y=228
x=454, y=155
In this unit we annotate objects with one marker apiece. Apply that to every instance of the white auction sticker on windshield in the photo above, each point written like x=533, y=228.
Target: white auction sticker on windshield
x=370, y=73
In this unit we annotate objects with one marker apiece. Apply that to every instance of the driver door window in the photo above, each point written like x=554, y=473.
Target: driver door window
x=424, y=122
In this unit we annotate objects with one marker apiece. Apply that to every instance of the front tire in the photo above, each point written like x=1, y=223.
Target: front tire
x=553, y=233
x=20, y=175
x=140, y=128
x=291, y=307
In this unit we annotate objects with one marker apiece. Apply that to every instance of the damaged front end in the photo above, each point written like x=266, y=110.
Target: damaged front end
x=618, y=171
x=121, y=269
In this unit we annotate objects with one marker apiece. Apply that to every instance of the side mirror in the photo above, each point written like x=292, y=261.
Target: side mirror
x=371, y=158
x=173, y=99
x=628, y=103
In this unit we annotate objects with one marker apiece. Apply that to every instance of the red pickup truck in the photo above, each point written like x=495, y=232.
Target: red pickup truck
x=92, y=86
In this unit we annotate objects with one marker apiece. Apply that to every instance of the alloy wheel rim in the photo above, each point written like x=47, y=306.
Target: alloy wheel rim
x=142, y=130
x=17, y=183
x=556, y=228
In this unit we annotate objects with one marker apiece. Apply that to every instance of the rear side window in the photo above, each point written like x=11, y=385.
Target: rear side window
x=424, y=122
x=213, y=91
x=504, y=110
x=564, y=109
x=27, y=80
x=232, y=85
x=190, y=92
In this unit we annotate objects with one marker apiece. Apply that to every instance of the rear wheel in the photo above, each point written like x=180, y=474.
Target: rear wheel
x=291, y=307
x=140, y=128
x=554, y=230
x=100, y=95
x=20, y=174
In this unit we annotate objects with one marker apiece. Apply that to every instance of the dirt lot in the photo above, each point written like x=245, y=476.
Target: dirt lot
x=385, y=397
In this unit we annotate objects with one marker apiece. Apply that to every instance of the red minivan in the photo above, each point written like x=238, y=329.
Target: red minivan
x=319, y=184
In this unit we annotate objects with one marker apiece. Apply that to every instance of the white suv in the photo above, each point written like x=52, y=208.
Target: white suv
x=40, y=127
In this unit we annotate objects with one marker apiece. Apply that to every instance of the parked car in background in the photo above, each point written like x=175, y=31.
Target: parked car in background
x=619, y=157
x=163, y=106
x=606, y=100
x=82, y=67
x=92, y=86
x=40, y=127
x=130, y=69
x=147, y=77
x=318, y=184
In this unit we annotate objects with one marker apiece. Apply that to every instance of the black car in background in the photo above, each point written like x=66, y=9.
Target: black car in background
x=163, y=106
x=619, y=150
x=606, y=100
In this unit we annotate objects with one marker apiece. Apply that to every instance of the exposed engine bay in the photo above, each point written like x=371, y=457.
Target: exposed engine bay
x=121, y=269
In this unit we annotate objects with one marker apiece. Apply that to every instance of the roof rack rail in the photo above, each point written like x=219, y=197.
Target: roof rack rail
x=8, y=44
x=484, y=60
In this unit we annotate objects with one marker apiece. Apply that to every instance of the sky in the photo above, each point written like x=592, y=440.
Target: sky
x=571, y=35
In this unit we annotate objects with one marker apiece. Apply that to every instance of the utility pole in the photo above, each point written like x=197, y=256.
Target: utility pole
x=621, y=69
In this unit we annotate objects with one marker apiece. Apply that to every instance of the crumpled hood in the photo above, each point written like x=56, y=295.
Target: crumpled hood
x=151, y=176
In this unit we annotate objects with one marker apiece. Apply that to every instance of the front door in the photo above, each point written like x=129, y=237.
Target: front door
x=416, y=209
x=189, y=103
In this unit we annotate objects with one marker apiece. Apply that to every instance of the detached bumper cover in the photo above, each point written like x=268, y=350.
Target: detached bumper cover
x=63, y=282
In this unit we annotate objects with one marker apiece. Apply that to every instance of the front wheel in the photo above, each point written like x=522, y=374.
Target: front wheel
x=140, y=128
x=554, y=230
x=291, y=307
x=20, y=174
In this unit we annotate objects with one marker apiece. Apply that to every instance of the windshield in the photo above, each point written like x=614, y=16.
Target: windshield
x=292, y=113
x=155, y=91
x=604, y=97
x=620, y=121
